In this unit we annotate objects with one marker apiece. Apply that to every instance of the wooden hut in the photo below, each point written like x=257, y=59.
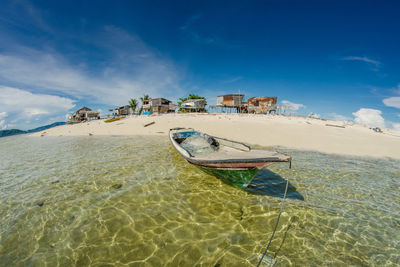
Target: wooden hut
x=193, y=105
x=172, y=108
x=85, y=113
x=262, y=104
x=123, y=111
x=158, y=105
x=229, y=102
x=232, y=100
x=146, y=107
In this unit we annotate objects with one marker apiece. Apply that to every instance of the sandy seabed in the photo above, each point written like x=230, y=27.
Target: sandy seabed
x=272, y=130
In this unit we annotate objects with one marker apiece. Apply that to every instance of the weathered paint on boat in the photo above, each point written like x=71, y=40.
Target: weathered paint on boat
x=237, y=177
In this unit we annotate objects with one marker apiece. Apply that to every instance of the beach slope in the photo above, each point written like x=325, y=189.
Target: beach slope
x=291, y=132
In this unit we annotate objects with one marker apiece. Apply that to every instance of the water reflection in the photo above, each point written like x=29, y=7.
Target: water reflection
x=272, y=184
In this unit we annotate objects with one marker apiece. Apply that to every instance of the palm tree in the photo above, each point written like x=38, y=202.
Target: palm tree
x=133, y=103
x=145, y=97
x=191, y=96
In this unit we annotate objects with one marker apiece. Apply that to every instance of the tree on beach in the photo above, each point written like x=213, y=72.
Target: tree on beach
x=133, y=103
x=145, y=97
x=191, y=96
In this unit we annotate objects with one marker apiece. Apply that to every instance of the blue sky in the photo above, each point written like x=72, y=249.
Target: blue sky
x=338, y=59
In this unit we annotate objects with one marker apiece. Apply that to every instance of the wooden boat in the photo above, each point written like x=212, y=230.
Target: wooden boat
x=231, y=161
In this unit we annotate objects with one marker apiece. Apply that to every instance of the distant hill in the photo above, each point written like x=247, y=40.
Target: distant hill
x=4, y=133
x=41, y=128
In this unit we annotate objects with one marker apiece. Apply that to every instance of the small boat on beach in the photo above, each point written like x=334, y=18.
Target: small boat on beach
x=233, y=162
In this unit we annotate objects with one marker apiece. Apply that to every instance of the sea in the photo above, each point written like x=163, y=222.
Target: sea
x=133, y=201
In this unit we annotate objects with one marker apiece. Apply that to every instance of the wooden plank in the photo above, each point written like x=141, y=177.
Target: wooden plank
x=333, y=125
x=148, y=124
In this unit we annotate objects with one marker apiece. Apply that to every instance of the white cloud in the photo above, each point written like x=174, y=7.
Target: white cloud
x=24, y=15
x=369, y=117
x=14, y=99
x=363, y=59
x=392, y=101
x=338, y=117
x=130, y=69
x=396, y=126
x=3, y=125
x=21, y=105
x=292, y=106
x=41, y=70
x=3, y=115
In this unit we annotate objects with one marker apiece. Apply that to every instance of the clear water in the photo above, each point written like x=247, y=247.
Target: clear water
x=103, y=201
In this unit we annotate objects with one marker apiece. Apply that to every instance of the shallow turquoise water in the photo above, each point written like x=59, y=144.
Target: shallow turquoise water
x=133, y=201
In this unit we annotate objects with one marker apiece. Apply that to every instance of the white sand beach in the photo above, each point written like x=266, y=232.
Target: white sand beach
x=291, y=132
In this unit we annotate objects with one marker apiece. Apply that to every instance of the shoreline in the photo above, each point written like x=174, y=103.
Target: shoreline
x=326, y=136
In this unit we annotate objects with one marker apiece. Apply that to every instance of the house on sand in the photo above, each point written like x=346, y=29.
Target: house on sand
x=231, y=102
x=158, y=105
x=123, y=111
x=262, y=104
x=84, y=114
x=193, y=105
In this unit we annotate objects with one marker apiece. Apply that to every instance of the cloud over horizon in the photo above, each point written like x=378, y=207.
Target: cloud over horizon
x=130, y=70
x=369, y=117
x=292, y=106
x=102, y=57
x=393, y=102
x=339, y=117
x=3, y=124
x=21, y=106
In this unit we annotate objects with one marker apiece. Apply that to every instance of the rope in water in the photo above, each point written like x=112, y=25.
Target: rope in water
x=276, y=224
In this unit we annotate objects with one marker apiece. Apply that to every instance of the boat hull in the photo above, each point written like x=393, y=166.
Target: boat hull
x=237, y=177
x=237, y=165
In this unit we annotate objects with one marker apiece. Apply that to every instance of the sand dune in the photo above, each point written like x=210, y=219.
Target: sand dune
x=291, y=132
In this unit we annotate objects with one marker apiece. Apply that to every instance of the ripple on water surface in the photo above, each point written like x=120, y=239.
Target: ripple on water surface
x=135, y=201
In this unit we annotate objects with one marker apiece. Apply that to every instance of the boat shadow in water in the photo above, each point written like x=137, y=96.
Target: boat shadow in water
x=271, y=184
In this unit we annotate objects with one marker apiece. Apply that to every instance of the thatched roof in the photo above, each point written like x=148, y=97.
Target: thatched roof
x=263, y=99
x=83, y=109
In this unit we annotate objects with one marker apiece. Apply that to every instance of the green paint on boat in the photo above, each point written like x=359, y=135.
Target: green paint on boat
x=239, y=178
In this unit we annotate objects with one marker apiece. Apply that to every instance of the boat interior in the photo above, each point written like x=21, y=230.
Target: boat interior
x=206, y=147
